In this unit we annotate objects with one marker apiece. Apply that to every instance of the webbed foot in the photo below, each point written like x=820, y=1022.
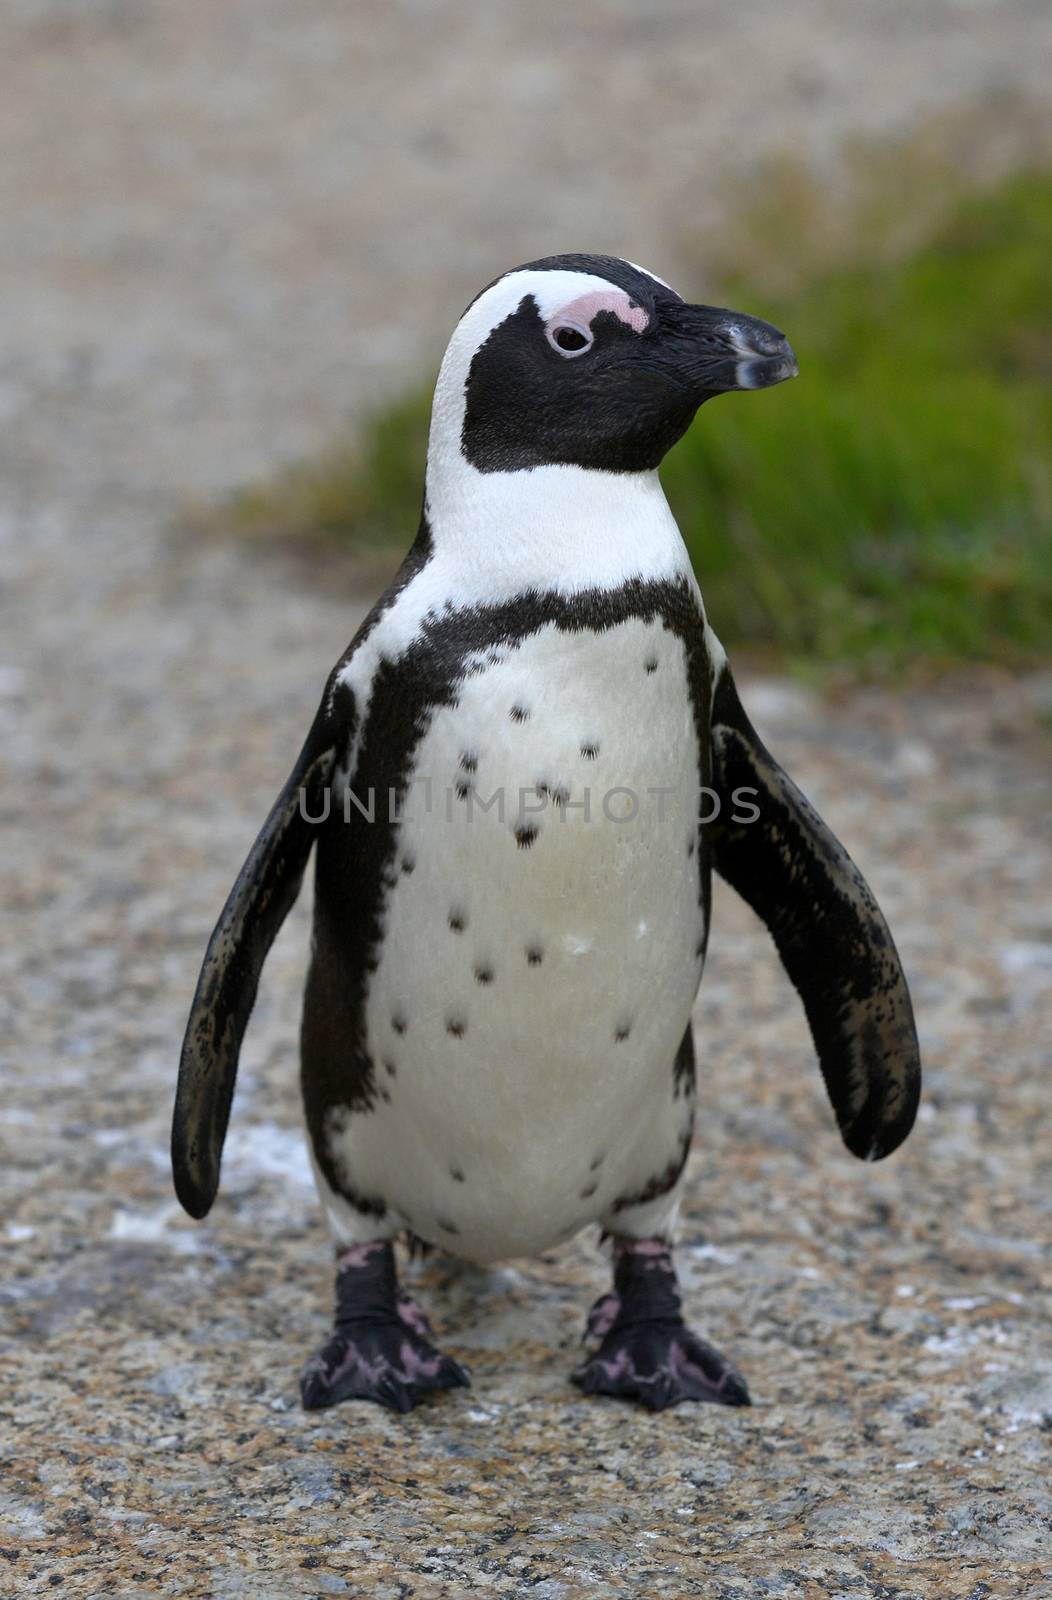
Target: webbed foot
x=646, y=1351
x=381, y=1348
x=661, y=1364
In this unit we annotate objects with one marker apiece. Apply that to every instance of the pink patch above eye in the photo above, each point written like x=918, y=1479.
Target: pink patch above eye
x=587, y=306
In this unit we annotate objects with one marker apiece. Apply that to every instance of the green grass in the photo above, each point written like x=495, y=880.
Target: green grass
x=896, y=501
x=893, y=504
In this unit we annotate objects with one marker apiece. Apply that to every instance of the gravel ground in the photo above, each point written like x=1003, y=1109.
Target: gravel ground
x=224, y=230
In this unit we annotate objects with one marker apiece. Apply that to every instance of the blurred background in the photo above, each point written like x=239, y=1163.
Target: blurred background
x=234, y=233
x=234, y=238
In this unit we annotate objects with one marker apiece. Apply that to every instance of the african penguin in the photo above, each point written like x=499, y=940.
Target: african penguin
x=519, y=779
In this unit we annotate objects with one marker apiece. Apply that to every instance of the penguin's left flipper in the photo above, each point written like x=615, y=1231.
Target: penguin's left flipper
x=829, y=931
x=264, y=893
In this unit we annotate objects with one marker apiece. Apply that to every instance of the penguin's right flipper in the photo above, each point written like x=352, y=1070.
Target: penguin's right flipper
x=264, y=893
x=829, y=930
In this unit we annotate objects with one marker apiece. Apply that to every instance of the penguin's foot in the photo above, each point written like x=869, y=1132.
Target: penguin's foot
x=381, y=1361
x=646, y=1351
x=381, y=1347
x=661, y=1364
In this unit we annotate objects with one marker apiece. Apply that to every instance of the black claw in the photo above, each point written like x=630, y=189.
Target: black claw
x=661, y=1396
x=397, y=1395
x=452, y=1375
x=313, y=1393
x=735, y=1393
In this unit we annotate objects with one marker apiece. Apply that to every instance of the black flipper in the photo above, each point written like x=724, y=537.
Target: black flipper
x=829, y=930
x=264, y=893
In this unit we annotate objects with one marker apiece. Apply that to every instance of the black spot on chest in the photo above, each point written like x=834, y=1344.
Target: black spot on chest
x=357, y=859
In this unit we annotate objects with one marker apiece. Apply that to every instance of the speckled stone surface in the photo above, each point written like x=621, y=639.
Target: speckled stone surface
x=892, y=1320
x=180, y=257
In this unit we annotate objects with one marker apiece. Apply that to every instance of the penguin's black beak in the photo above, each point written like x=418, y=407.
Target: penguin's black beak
x=712, y=351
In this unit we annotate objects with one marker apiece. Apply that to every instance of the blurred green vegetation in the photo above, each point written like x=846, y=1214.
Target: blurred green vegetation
x=894, y=504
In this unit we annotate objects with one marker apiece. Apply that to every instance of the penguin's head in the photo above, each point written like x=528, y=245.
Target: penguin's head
x=589, y=361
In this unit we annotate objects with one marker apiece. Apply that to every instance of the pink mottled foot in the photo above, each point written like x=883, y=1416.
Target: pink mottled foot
x=381, y=1348
x=412, y=1314
x=646, y=1351
x=377, y=1361
x=661, y=1365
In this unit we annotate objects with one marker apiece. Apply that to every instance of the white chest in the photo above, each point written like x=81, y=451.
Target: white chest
x=540, y=949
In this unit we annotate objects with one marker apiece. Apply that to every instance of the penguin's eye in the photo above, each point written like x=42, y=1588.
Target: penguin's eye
x=569, y=338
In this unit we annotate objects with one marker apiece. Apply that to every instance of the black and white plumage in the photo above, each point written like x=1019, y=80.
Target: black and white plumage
x=496, y=1045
